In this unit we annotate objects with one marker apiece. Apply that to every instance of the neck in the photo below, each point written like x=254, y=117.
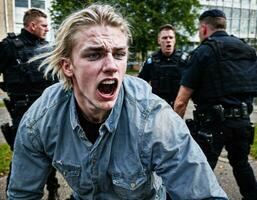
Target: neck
x=95, y=118
x=91, y=113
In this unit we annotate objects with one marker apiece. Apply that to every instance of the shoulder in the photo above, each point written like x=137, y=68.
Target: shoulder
x=205, y=49
x=139, y=93
x=154, y=109
x=12, y=42
x=136, y=87
x=180, y=56
x=50, y=99
x=154, y=57
x=7, y=52
x=178, y=52
x=8, y=40
x=149, y=60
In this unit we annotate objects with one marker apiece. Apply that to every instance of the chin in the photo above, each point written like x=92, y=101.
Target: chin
x=107, y=105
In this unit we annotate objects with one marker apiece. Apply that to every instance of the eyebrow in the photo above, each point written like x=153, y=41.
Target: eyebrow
x=101, y=48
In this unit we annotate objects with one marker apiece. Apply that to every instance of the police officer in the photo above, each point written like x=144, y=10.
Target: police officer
x=22, y=80
x=161, y=69
x=221, y=78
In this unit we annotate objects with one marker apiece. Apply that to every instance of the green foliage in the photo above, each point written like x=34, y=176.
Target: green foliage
x=5, y=158
x=62, y=8
x=145, y=17
x=254, y=146
x=132, y=72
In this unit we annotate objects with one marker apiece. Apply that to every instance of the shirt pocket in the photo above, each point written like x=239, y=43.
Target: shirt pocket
x=71, y=173
x=136, y=186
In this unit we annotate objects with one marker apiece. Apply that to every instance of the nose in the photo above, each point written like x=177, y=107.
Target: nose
x=109, y=64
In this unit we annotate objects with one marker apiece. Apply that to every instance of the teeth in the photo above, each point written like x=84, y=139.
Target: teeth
x=108, y=82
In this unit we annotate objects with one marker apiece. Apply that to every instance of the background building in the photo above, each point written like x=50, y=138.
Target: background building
x=12, y=11
x=241, y=17
x=6, y=17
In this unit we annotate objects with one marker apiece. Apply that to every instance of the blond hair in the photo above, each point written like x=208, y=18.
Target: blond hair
x=95, y=14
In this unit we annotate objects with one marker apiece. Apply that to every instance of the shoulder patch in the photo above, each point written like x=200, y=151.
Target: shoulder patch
x=184, y=56
x=149, y=60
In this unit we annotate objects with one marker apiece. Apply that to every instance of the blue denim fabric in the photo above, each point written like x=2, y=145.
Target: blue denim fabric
x=142, y=136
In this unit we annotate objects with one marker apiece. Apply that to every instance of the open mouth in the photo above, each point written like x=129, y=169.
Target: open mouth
x=168, y=46
x=108, y=87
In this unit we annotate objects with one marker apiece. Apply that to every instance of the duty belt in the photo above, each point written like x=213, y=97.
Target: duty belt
x=236, y=112
x=219, y=113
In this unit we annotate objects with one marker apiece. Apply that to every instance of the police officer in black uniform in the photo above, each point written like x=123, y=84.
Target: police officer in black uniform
x=221, y=79
x=22, y=80
x=162, y=69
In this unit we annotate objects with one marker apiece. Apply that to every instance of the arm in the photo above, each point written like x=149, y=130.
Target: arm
x=30, y=166
x=179, y=160
x=145, y=71
x=6, y=55
x=182, y=99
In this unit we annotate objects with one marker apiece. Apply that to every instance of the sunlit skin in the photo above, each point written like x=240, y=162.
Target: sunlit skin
x=167, y=41
x=38, y=27
x=205, y=31
x=202, y=30
x=99, y=56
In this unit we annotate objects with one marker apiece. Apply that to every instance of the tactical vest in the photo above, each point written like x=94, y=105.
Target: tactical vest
x=235, y=71
x=23, y=79
x=165, y=77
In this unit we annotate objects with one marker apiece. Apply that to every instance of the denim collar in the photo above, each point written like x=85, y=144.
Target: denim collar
x=112, y=120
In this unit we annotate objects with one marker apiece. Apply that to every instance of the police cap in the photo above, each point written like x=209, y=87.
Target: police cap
x=212, y=13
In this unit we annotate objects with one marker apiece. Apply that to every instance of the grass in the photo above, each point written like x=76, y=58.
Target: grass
x=5, y=158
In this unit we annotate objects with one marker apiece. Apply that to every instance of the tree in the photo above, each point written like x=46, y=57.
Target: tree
x=145, y=17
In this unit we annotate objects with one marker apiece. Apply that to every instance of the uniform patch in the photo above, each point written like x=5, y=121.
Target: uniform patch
x=149, y=60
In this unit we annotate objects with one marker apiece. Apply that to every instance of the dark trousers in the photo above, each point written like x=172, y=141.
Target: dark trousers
x=236, y=138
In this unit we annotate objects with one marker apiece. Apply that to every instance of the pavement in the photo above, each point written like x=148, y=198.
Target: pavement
x=223, y=170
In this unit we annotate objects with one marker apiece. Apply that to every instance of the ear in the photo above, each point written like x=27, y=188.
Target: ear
x=205, y=30
x=33, y=25
x=159, y=41
x=67, y=67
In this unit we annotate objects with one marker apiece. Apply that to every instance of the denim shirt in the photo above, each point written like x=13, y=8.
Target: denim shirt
x=141, y=137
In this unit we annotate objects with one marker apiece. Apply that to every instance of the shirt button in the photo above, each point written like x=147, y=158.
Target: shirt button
x=132, y=185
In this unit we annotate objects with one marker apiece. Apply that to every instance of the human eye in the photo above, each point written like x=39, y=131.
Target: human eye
x=93, y=56
x=119, y=55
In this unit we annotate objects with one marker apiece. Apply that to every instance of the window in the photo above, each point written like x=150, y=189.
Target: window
x=38, y=4
x=235, y=21
x=21, y=6
x=30, y=3
x=253, y=19
x=21, y=3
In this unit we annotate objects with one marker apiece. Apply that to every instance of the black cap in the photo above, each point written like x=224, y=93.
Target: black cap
x=212, y=13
